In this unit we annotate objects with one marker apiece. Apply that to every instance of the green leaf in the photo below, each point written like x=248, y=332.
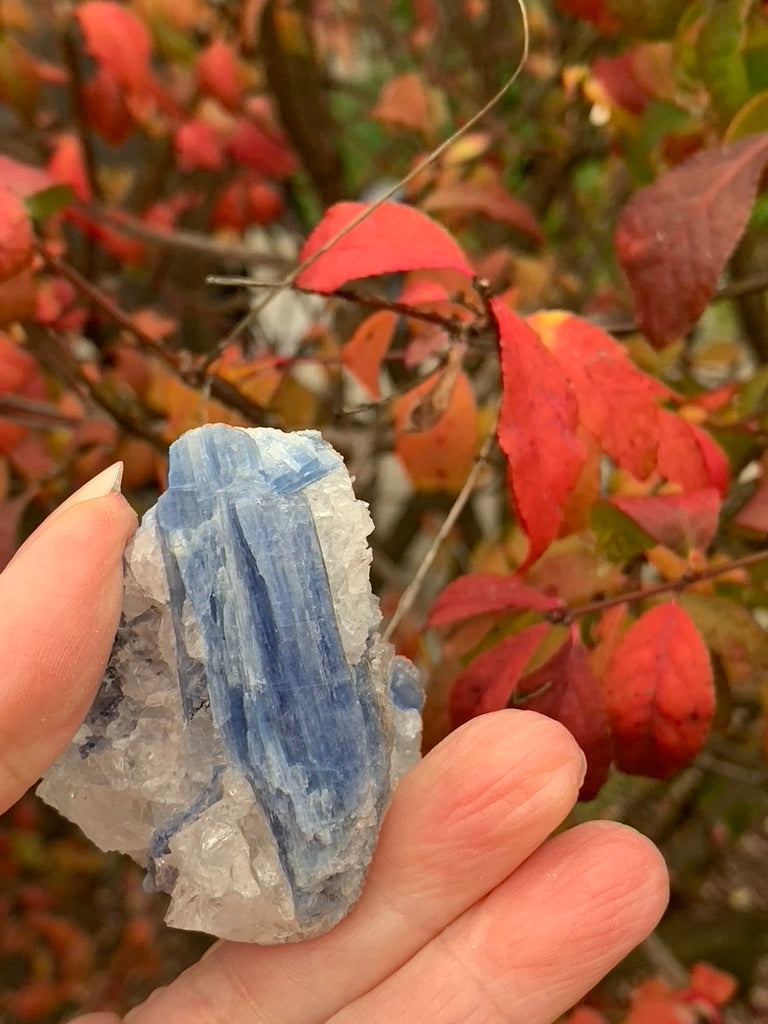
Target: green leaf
x=752, y=118
x=732, y=633
x=721, y=63
x=44, y=204
x=618, y=537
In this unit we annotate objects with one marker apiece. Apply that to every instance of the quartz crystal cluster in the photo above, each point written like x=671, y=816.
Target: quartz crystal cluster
x=251, y=723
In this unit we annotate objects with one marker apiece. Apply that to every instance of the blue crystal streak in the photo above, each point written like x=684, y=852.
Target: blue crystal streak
x=296, y=719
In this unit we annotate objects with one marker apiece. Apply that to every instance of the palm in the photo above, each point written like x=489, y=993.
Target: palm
x=470, y=913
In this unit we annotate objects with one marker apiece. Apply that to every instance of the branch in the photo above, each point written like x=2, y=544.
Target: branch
x=411, y=592
x=567, y=615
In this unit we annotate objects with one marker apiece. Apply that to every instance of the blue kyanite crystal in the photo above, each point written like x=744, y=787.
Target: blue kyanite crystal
x=251, y=722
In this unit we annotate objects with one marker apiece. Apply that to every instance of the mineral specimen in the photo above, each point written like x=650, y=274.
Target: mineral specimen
x=251, y=723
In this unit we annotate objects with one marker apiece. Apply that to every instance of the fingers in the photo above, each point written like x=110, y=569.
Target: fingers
x=538, y=943
x=59, y=605
x=460, y=822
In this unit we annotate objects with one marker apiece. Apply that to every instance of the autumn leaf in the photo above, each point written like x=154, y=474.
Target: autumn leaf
x=363, y=353
x=564, y=688
x=198, y=146
x=438, y=459
x=536, y=430
x=392, y=238
x=266, y=152
x=595, y=11
x=219, y=74
x=490, y=679
x=489, y=199
x=405, y=101
x=675, y=236
x=16, y=237
x=753, y=514
x=106, y=110
x=618, y=404
x=23, y=180
x=688, y=456
x=480, y=592
x=659, y=694
x=117, y=39
x=679, y=521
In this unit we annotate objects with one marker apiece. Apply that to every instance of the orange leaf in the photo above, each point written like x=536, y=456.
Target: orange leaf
x=659, y=693
x=363, y=353
x=392, y=238
x=491, y=200
x=404, y=101
x=440, y=458
x=680, y=521
x=709, y=983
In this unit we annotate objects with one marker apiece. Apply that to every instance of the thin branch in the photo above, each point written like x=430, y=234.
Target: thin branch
x=411, y=592
x=41, y=415
x=186, y=241
x=756, y=282
x=567, y=615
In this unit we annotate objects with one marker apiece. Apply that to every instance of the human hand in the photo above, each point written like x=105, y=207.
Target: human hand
x=470, y=914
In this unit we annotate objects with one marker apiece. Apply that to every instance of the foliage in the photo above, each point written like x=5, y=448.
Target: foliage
x=577, y=278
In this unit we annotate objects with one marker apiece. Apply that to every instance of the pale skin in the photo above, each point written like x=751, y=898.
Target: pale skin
x=471, y=913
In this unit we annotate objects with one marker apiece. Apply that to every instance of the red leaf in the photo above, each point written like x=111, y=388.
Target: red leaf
x=618, y=77
x=595, y=11
x=481, y=592
x=536, y=430
x=489, y=681
x=680, y=521
x=198, y=146
x=709, y=983
x=363, y=353
x=67, y=166
x=23, y=179
x=564, y=688
x=16, y=238
x=266, y=152
x=618, y=404
x=105, y=108
x=674, y=237
x=244, y=201
x=492, y=200
x=754, y=514
x=218, y=73
x=689, y=457
x=117, y=39
x=391, y=238
x=659, y=693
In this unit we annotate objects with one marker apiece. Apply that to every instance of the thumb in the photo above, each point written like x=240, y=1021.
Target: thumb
x=59, y=606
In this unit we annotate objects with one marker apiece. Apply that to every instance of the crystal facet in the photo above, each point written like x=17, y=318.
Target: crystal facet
x=251, y=723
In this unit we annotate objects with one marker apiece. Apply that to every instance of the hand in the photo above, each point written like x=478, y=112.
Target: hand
x=470, y=914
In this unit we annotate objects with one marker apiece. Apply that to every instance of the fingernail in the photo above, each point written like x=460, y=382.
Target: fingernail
x=106, y=482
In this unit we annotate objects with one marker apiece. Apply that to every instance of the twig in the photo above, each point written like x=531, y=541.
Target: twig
x=664, y=962
x=72, y=60
x=411, y=592
x=40, y=415
x=189, y=241
x=567, y=615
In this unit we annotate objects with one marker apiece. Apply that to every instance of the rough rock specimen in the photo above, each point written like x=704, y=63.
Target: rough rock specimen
x=251, y=723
